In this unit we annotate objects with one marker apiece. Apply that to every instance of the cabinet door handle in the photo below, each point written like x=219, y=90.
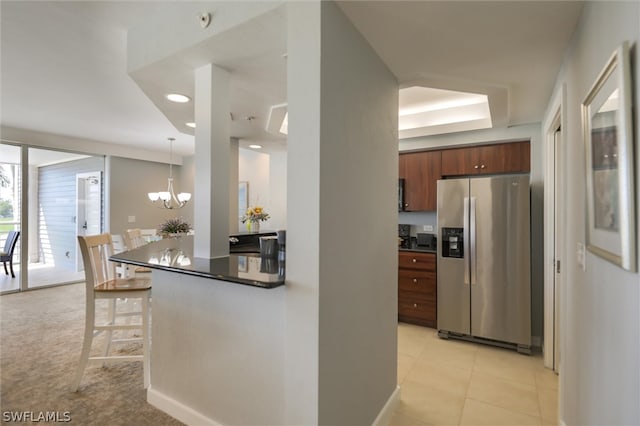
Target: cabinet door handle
x=476, y=166
x=406, y=204
x=415, y=305
x=415, y=280
x=414, y=260
x=482, y=166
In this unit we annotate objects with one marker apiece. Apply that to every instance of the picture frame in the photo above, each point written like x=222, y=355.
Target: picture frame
x=242, y=264
x=243, y=197
x=609, y=148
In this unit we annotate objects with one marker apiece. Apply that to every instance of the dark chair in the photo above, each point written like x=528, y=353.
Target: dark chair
x=6, y=255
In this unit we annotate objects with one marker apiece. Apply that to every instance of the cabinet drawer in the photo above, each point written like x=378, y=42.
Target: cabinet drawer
x=415, y=280
x=417, y=311
x=414, y=260
x=417, y=296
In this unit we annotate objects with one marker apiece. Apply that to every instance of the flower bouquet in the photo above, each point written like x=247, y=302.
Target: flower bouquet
x=253, y=216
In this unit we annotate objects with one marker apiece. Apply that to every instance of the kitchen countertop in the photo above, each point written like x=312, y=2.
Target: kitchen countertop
x=418, y=249
x=176, y=255
x=248, y=234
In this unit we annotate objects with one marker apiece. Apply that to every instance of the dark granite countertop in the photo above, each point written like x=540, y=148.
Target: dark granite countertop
x=417, y=248
x=176, y=255
x=246, y=233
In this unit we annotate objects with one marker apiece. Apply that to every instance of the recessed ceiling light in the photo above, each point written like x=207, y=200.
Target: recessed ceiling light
x=284, y=129
x=278, y=121
x=255, y=146
x=176, y=97
x=192, y=125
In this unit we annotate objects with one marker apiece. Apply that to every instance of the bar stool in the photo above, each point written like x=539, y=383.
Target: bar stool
x=101, y=283
x=133, y=238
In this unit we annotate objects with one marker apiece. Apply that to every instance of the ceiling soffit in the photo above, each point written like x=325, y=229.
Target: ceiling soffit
x=252, y=51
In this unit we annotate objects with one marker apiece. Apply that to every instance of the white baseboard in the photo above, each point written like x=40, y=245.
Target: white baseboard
x=178, y=410
x=385, y=415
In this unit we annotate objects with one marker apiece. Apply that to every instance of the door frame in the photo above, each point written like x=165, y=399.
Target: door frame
x=554, y=231
x=81, y=208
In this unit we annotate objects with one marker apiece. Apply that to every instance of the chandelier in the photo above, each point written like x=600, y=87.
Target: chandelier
x=168, y=199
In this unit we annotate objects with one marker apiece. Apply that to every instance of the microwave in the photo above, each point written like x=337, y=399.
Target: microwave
x=400, y=195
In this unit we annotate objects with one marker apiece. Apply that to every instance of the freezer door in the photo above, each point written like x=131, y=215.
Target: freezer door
x=500, y=272
x=453, y=284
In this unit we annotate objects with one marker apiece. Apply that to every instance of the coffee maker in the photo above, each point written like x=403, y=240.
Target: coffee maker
x=404, y=236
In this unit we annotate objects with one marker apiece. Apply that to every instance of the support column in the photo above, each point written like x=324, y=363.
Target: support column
x=211, y=186
x=342, y=256
x=234, y=214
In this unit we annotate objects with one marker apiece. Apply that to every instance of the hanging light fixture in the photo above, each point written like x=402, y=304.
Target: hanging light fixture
x=168, y=199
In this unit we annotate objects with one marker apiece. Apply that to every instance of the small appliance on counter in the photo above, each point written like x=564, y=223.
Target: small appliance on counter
x=282, y=239
x=269, y=246
x=426, y=241
x=404, y=236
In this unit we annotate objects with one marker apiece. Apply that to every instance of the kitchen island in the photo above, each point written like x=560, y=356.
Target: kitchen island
x=217, y=332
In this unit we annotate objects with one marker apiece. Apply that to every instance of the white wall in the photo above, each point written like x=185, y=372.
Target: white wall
x=600, y=319
x=233, y=338
x=131, y=180
x=266, y=174
x=186, y=174
x=253, y=167
x=530, y=132
x=278, y=190
x=341, y=227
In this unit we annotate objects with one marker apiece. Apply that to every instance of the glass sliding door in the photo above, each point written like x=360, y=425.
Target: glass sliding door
x=10, y=196
x=50, y=197
x=66, y=199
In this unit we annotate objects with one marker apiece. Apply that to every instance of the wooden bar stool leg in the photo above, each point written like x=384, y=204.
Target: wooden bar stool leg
x=111, y=321
x=86, y=345
x=146, y=363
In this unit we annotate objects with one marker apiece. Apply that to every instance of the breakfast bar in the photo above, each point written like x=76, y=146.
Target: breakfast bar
x=217, y=332
x=176, y=255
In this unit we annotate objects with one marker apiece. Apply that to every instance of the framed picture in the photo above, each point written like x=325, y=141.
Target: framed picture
x=242, y=264
x=243, y=197
x=608, y=137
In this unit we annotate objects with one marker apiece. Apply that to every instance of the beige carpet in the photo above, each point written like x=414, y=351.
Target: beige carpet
x=40, y=343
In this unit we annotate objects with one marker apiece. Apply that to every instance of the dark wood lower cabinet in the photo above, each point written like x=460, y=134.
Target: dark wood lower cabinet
x=417, y=288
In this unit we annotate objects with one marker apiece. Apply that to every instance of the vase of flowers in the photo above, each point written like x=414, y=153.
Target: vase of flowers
x=253, y=216
x=175, y=227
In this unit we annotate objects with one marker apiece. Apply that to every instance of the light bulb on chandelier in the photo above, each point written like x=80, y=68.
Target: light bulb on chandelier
x=168, y=199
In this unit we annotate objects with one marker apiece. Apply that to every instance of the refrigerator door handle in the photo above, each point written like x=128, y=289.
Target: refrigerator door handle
x=472, y=242
x=465, y=238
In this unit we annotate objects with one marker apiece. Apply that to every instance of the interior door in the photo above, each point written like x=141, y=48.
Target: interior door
x=500, y=261
x=557, y=249
x=89, y=208
x=453, y=280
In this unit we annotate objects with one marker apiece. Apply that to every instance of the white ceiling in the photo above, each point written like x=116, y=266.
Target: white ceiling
x=64, y=66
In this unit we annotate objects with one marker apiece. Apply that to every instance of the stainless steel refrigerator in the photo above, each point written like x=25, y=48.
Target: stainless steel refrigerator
x=484, y=273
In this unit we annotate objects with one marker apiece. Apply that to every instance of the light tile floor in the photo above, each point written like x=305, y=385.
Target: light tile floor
x=451, y=382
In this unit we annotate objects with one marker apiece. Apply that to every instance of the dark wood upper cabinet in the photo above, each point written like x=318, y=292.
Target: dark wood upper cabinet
x=421, y=171
x=459, y=161
x=487, y=159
